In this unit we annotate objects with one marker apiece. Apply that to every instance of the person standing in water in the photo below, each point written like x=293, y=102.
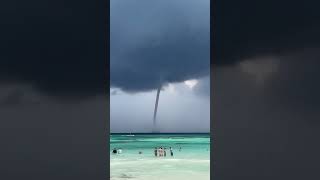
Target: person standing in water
x=119, y=151
x=171, y=152
x=155, y=152
x=164, y=151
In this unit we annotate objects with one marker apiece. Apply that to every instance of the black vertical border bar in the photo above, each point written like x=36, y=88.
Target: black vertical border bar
x=103, y=52
x=107, y=58
x=212, y=58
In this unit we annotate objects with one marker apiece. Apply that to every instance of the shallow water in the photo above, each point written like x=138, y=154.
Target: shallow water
x=189, y=163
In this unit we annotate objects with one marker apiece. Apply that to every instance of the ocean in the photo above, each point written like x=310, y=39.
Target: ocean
x=190, y=160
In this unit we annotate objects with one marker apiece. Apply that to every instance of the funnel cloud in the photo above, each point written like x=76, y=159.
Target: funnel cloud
x=155, y=111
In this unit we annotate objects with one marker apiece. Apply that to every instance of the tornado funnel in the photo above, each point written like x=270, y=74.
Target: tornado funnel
x=155, y=111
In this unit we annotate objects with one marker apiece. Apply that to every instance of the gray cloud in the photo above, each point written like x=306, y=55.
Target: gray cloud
x=296, y=85
x=203, y=87
x=18, y=95
x=248, y=28
x=13, y=98
x=156, y=42
x=54, y=47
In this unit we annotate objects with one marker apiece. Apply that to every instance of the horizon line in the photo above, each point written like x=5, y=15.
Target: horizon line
x=160, y=133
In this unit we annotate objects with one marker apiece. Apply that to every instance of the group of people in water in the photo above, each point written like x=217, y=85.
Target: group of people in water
x=117, y=151
x=158, y=151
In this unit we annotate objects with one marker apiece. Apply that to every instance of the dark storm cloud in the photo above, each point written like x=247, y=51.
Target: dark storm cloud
x=289, y=81
x=154, y=42
x=249, y=28
x=53, y=45
x=277, y=43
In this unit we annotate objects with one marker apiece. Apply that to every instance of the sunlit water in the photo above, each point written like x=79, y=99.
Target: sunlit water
x=192, y=162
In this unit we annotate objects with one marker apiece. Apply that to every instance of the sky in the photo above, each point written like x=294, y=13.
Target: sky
x=160, y=43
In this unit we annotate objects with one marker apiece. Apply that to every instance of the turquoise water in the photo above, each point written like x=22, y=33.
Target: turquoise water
x=189, y=163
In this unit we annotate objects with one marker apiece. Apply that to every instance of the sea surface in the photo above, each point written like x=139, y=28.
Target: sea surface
x=192, y=162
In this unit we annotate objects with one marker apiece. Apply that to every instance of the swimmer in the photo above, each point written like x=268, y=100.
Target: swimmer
x=114, y=151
